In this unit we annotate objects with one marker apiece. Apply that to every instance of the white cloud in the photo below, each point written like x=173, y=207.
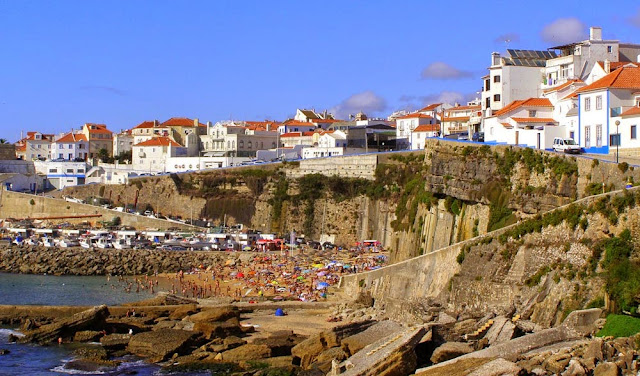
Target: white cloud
x=635, y=20
x=413, y=102
x=564, y=30
x=367, y=102
x=443, y=71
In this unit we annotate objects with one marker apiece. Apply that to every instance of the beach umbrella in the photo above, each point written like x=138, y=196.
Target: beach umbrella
x=233, y=274
x=246, y=248
x=322, y=273
x=322, y=285
x=240, y=275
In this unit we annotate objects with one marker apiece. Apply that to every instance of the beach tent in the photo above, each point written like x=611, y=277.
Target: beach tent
x=279, y=312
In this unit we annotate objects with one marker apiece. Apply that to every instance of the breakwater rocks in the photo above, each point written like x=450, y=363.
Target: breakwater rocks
x=80, y=261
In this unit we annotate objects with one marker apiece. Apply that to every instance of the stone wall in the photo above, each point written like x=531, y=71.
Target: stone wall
x=19, y=205
x=358, y=166
x=487, y=281
x=7, y=152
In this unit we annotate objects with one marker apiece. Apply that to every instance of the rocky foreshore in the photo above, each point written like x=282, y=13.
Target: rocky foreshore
x=80, y=261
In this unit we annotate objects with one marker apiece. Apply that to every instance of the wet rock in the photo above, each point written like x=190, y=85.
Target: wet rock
x=4, y=351
x=66, y=328
x=450, y=350
x=93, y=353
x=115, y=341
x=218, y=329
x=27, y=325
x=161, y=344
x=87, y=336
x=606, y=369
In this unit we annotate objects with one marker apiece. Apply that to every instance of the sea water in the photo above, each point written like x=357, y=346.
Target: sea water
x=27, y=359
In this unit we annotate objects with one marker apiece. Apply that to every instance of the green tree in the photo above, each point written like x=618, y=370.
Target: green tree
x=3, y=141
x=125, y=157
x=104, y=156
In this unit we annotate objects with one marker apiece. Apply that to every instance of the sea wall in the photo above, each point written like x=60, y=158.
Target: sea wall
x=490, y=273
x=21, y=205
x=80, y=261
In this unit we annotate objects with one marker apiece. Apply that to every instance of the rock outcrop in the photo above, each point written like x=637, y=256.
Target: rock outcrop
x=93, y=318
x=161, y=344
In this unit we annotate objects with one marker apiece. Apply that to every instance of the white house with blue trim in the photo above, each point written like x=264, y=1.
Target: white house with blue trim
x=601, y=103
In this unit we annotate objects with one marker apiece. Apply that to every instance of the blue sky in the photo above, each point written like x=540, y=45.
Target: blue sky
x=65, y=63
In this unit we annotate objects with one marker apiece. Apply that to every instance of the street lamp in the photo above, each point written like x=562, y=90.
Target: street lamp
x=617, y=140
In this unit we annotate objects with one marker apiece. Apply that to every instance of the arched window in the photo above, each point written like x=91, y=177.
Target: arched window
x=249, y=144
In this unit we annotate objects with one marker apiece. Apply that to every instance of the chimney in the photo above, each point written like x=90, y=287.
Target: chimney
x=155, y=123
x=595, y=33
x=607, y=66
x=196, y=122
x=495, y=58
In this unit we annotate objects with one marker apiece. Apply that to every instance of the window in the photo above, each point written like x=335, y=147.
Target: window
x=633, y=132
x=532, y=113
x=487, y=85
x=496, y=98
x=496, y=78
x=572, y=135
x=587, y=136
x=599, y=135
x=599, y=102
x=53, y=170
x=69, y=171
x=487, y=102
x=609, y=49
x=61, y=146
x=637, y=101
x=587, y=104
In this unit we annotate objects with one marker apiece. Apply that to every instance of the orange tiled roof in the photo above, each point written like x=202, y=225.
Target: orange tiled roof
x=99, y=128
x=32, y=136
x=71, y=137
x=623, y=78
x=158, y=141
x=631, y=112
x=326, y=120
x=181, y=122
x=21, y=147
x=531, y=102
x=302, y=123
x=415, y=115
x=427, y=128
x=291, y=134
x=430, y=107
x=507, y=125
x=533, y=120
x=562, y=86
x=145, y=124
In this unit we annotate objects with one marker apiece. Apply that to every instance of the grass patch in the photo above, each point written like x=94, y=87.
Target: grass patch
x=620, y=326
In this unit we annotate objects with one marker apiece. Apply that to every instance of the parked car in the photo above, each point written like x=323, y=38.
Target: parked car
x=567, y=145
x=478, y=137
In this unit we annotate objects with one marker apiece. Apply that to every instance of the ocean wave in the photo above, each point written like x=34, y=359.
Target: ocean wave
x=70, y=371
x=4, y=332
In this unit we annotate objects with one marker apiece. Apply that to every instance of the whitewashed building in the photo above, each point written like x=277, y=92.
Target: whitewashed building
x=405, y=125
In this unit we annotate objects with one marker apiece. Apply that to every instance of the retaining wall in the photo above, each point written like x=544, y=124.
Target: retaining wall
x=19, y=205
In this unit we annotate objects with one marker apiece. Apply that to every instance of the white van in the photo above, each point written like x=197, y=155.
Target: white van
x=567, y=145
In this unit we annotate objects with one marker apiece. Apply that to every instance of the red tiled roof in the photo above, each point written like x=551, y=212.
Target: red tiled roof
x=415, y=115
x=181, y=122
x=326, y=120
x=158, y=141
x=145, y=124
x=623, y=78
x=70, y=137
x=617, y=64
x=562, y=86
x=430, y=107
x=99, y=128
x=533, y=120
x=531, y=102
x=631, y=112
x=295, y=122
x=507, y=125
x=291, y=134
x=427, y=128
x=21, y=147
x=32, y=136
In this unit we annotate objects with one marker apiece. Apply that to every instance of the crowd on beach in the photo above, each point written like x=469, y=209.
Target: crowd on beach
x=306, y=276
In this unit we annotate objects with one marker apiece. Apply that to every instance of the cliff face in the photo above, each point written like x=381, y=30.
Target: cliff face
x=412, y=202
x=541, y=268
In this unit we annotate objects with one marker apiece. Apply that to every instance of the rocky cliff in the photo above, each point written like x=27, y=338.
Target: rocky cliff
x=412, y=202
